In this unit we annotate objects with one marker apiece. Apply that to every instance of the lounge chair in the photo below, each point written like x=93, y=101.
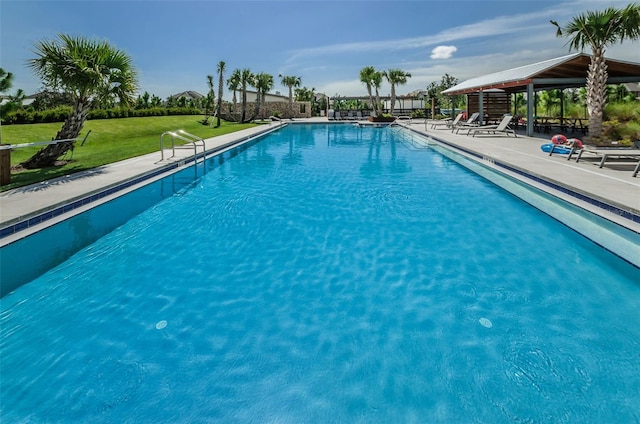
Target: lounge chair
x=624, y=153
x=337, y=116
x=502, y=127
x=471, y=122
x=446, y=122
x=359, y=116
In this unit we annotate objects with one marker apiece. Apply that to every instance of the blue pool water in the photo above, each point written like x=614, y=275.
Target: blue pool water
x=328, y=274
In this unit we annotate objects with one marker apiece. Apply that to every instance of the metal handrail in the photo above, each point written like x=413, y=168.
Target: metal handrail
x=184, y=136
x=195, y=139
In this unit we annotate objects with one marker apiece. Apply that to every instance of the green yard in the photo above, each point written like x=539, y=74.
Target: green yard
x=110, y=140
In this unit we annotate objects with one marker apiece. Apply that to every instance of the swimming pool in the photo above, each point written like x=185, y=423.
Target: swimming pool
x=327, y=274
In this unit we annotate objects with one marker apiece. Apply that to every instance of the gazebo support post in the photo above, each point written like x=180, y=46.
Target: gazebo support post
x=530, y=103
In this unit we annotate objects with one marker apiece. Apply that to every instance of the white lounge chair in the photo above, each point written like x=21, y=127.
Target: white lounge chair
x=502, y=127
x=471, y=122
x=446, y=122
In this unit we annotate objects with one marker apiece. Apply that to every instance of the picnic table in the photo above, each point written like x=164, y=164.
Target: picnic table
x=545, y=124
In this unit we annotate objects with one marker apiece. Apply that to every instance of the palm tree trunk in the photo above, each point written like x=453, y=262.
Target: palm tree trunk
x=379, y=105
x=256, y=114
x=596, y=93
x=393, y=98
x=70, y=129
x=244, y=105
x=290, y=101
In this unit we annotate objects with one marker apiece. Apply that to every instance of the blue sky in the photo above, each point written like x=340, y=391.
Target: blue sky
x=176, y=44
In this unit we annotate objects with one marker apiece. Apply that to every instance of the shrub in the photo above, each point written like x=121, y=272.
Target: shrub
x=622, y=122
x=623, y=112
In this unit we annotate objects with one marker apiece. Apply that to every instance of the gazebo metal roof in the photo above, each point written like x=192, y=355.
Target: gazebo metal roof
x=562, y=72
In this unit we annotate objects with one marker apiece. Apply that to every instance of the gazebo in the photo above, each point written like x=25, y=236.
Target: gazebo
x=563, y=72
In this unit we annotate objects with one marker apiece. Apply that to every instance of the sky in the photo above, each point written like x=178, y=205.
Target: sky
x=174, y=44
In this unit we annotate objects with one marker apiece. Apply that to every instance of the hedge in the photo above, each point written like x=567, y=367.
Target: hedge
x=59, y=114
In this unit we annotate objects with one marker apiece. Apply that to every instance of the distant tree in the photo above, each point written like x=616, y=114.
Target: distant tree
x=263, y=83
x=599, y=30
x=6, y=80
x=366, y=77
x=209, y=100
x=290, y=82
x=222, y=67
x=13, y=102
x=550, y=100
x=433, y=94
x=49, y=99
x=246, y=80
x=448, y=81
x=233, y=82
x=91, y=71
x=395, y=77
x=304, y=94
x=155, y=101
x=619, y=94
x=142, y=102
x=376, y=82
x=171, y=102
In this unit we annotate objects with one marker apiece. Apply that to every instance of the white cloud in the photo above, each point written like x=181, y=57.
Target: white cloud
x=443, y=52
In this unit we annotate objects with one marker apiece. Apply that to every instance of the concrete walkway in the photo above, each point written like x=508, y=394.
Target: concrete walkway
x=613, y=185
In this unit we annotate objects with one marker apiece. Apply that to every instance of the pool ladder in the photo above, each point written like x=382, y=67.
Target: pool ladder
x=407, y=137
x=184, y=136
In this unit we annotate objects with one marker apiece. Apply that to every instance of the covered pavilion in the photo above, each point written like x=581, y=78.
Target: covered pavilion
x=560, y=73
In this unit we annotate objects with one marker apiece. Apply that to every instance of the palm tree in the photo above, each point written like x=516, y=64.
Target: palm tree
x=246, y=79
x=366, y=76
x=209, y=100
x=395, y=77
x=90, y=71
x=376, y=82
x=290, y=81
x=263, y=83
x=234, y=84
x=599, y=30
x=221, y=69
x=549, y=99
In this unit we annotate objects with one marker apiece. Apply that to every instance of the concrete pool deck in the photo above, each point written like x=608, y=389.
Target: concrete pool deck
x=611, y=185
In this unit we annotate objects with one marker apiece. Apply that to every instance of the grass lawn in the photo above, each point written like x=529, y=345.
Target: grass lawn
x=111, y=140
